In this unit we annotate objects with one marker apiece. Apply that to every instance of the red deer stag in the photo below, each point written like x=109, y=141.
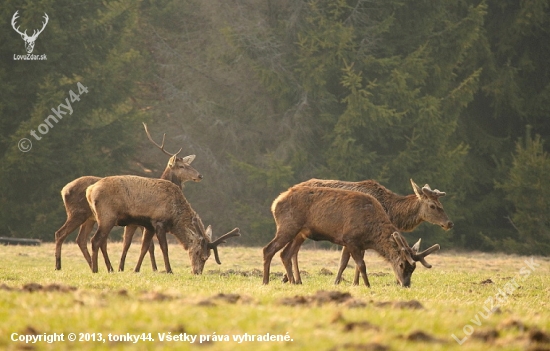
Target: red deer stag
x=178, y=171
x=405, y=212
x=156, y=204
x=351, y=219
x=183, y=172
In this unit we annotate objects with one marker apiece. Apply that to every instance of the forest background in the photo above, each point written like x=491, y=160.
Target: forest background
x=269, y=93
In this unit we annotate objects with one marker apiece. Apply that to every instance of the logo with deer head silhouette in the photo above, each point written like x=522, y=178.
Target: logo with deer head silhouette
x=29, y=40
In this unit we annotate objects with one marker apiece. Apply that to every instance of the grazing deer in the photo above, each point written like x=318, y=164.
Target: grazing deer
x=405, y=212
x=160, y=207
x=351, y=219
x=178, y=170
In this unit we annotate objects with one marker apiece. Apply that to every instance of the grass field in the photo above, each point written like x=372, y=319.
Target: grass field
x=488, y=302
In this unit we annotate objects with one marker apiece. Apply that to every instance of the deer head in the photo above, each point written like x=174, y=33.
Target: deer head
x=179, y=167
x=431, y=209
x=405, y=264
x=201, y=250
x=29, y=41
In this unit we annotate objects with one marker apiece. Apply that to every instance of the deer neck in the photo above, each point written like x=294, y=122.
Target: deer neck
x=385, y=246
x=403, y=211
x=181, y=219
x=169, y=176
x=184, y=230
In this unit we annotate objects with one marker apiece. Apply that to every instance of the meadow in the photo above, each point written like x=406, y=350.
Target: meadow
x=467, y=301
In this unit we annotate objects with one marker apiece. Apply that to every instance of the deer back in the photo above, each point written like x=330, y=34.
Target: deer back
x=137, y=197
x=405, y=212
x=336, y=215
x=74, y=195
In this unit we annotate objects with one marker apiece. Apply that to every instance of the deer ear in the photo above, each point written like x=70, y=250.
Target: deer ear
x=417, y=189
x=208, y=233
x=188, y=159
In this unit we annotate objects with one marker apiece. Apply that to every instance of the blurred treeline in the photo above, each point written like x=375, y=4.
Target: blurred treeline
x=269, y=93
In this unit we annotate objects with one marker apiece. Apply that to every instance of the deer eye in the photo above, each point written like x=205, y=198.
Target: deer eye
x=432, y=206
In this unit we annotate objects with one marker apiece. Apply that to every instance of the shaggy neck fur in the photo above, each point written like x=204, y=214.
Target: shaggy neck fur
x=404, y=212
x=169, y=176
x=387, y=248
x=182, y=227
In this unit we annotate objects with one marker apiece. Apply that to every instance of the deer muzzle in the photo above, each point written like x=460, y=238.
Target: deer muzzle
x=447, y=226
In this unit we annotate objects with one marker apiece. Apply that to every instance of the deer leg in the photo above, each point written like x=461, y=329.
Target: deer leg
x=163, y=243
x=295, y=260
x=82, y=239
x=290, y=253
x=152, y=256
x=357, y=271
x=103, y=230
x=360, y=262
x=287, y=247
x=129, y=231
x=286, y=256
x=61, y=234
x=282, y=238
x=344, y=260
x=145, y=243
x=103, y=249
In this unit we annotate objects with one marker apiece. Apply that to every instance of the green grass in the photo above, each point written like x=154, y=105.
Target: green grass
x=451, y=293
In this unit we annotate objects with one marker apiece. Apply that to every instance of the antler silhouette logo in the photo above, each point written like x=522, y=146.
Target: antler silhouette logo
x=29, y=41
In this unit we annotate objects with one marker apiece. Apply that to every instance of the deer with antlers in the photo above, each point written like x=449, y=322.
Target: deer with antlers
x=405, y=212
x=29, y=41
x=160, y=207
x=351, y=219
x=177, y=171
